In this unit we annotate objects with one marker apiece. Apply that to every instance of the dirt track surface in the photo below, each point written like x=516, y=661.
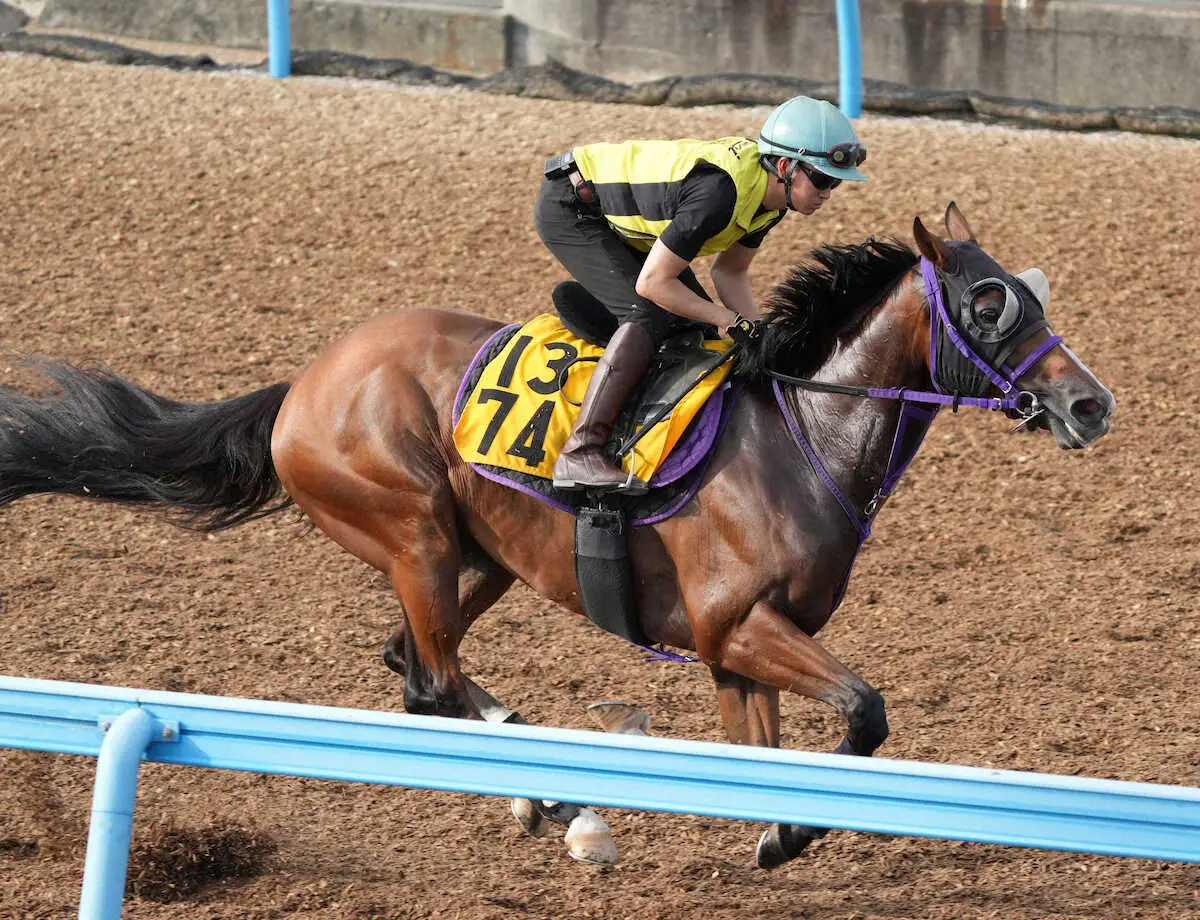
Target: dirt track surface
x=1019, y=606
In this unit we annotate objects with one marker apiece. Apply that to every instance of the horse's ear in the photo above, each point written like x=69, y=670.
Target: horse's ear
x=931, y=247
x=957, y=226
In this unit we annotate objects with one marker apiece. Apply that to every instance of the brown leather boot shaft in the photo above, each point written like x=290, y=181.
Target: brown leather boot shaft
x=582, y=463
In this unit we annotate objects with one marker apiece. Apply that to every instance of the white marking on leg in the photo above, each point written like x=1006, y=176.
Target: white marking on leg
x=590, y=841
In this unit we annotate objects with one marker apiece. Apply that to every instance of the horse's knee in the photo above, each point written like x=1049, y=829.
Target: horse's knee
x=866, y=718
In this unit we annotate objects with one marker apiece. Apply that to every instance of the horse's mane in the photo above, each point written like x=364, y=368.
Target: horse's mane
x=822, y=302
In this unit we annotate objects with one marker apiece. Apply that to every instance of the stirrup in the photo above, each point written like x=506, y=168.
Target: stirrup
x=632, y=486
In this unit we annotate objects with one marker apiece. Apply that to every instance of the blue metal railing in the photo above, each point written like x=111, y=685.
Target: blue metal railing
x=849, y=58
x=655, y=774
x=279, y=43
x=279, y=38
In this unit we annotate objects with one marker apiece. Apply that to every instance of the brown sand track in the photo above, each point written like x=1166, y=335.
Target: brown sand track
x=1019, y=606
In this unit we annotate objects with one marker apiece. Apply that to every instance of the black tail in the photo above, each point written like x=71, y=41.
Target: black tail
x=208, y=465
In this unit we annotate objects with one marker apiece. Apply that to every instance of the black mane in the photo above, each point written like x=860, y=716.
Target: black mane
x=823, y=301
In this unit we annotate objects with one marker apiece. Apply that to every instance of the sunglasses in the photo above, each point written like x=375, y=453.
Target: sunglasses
x=820, y=181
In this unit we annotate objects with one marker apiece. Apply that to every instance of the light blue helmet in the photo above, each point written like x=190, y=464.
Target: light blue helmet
x=817, y=133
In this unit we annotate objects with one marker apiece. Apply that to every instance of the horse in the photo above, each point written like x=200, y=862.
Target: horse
x=860, y=347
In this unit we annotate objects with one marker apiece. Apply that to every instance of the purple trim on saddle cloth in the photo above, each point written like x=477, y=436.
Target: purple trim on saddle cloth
x=706, y=431
x=470, y=373
x=689, y=455
x=695, y=445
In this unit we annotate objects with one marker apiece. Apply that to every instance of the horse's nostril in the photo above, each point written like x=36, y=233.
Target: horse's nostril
x=1087, y=410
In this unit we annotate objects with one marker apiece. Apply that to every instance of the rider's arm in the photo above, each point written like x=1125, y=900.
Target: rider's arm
x=705, y=206
x=659, y=282
x=731, y=276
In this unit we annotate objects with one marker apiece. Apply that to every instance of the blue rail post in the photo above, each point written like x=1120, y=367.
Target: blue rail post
x=849, y=58
x=279, y=38
x=111, y=826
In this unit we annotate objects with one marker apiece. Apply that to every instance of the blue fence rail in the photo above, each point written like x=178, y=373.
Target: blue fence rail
x=279, y=49
x=122, y=726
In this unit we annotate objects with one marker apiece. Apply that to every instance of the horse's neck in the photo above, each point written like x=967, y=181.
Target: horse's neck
x=853, y=436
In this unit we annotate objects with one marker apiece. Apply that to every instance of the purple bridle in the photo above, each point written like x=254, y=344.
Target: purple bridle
x=1004, y=378
x=914, y=401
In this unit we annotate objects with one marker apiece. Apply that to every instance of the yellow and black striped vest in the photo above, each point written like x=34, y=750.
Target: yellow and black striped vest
x=637, y=184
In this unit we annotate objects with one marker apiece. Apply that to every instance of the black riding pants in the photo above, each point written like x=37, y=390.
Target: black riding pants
x=581, y=239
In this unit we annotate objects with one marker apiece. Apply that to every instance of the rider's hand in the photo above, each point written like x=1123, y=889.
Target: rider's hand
x=745, y=332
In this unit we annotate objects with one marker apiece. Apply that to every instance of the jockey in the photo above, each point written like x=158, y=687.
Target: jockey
x=626, y=220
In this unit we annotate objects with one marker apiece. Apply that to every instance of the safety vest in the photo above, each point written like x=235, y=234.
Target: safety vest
x=637, y=184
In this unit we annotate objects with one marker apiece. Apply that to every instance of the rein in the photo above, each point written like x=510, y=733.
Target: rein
x=1005, y=379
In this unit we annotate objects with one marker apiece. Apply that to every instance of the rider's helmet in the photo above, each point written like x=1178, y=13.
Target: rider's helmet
x=816, y=133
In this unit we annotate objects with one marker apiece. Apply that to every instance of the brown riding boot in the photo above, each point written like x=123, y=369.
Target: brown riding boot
x=582, y=463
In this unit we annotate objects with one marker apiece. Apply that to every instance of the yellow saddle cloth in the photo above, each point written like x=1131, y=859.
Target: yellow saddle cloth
x=523, y=407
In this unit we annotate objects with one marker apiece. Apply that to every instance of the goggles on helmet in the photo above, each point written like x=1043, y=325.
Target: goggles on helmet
x=843, y=156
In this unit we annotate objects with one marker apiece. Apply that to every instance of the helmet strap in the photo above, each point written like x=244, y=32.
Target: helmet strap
x=769, y=163
x=787, y=184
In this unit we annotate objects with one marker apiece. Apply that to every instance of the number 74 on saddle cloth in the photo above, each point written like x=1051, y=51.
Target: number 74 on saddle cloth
x=522, y=409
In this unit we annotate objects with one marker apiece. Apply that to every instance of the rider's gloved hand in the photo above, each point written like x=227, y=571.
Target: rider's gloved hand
x=745, y=332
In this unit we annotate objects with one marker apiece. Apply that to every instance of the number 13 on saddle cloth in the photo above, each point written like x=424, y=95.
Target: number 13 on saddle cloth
x=520, y=411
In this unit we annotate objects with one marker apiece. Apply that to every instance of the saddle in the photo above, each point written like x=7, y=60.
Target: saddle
x=681, y=361
x=514, y=411
x=602, y=567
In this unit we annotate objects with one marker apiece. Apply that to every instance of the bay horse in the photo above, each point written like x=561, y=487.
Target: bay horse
x=864, y=344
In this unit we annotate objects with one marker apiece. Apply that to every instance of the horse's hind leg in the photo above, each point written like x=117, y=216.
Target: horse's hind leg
x=481, y=582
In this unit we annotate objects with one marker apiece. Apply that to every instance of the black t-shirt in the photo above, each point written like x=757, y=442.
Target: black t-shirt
x=707, y=198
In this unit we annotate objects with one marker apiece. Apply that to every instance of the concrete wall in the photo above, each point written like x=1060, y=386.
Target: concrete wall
x=1070, y=52
x=462, y=36
x=12, y=18
x=1101, y=53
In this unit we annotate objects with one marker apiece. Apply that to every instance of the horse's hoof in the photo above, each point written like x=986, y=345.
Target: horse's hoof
x=620, y=718
x=590, y=841
x=782, y=843
x=769, y=854
x=530, y=819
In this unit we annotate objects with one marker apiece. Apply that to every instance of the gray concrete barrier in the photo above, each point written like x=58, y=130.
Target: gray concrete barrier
x=1081, y=53
x=554, y=80
x=468, y=37
x=1102, y=53
x=12, y=18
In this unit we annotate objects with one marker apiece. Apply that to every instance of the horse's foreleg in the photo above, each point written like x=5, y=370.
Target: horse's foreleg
x=766, y=652
x=749, y=710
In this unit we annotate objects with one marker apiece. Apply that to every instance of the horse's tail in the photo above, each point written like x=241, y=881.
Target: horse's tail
x=208, y=465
